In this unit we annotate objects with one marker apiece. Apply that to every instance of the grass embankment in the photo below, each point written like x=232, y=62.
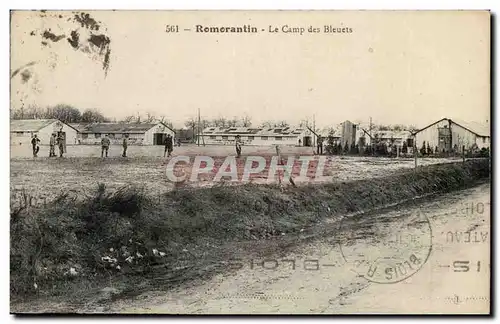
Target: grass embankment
x=72, y=244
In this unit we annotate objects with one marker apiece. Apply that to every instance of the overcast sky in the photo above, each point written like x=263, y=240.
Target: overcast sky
x=397, y=67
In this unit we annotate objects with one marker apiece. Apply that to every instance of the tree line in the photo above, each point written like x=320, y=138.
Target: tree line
x=223, y=122
x=65, y=113
x=70, y=114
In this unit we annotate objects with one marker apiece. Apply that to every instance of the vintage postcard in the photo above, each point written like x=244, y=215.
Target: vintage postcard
x=250, y=162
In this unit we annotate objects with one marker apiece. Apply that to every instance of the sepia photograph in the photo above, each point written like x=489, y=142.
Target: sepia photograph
x=196, y=162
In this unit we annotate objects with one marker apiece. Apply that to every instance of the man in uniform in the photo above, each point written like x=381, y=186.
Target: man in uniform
x=105, y=142
x=52, y=143
x=169, y=145
x=238, y=145
x=34, y=143
x=125, y=145
x=60, y=143
x=320, y=145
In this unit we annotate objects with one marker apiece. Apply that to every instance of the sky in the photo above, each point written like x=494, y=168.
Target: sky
x=409, y=68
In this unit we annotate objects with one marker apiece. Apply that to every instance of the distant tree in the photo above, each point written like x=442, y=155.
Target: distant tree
x=303, y=123
x=282, y=123
x=164, y=120
x=92, y=116
x=191, y=123
x=397, y=127
x=129, y=119
x=267, y=124
x=30, y=112
x=356, y=149
x=429, y=149
x=149, y=118
x=246, y=121
x=232, y=122
x=65, y=113
x=220, y=122
x=423, y=149
x=331, y=148
x=383, y=127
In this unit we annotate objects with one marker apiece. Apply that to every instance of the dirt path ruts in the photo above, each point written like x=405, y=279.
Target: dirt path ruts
x=335, y=288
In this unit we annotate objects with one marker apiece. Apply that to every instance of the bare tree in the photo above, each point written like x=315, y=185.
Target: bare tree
x=92, y=116
x=30, y=112
x=129, y=119
x=233, y=122
x=65, y=113
x=267, y=124
x=246, y=121
x=149, y=118
x=282, y=123
x=191, y=123
x=220, y=122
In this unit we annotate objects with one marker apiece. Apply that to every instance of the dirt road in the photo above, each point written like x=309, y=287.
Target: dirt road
x=321, y=277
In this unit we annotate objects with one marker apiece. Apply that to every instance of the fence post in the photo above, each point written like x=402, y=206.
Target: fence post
x=463, y=153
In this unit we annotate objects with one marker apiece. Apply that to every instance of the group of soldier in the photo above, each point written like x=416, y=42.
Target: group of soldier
x=55, y=140
x=58, y=140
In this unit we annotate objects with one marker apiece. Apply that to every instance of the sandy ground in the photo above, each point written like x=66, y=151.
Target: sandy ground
x=82, y=169
x=325, y=280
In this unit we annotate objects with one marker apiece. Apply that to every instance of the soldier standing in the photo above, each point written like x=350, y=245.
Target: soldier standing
x=238, y=145
x=52, y=143
x=169, y=145
x=320, y=145
x=125, y=145
x=34, y=143
x=105, y=142
x=60, y=144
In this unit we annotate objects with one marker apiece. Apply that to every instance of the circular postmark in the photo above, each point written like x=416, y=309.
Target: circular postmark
x=387, y=248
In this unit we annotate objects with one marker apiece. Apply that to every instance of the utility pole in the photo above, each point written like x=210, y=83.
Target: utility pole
x=370, y=129
x=415, y=152
x=307, y=126
x=314, y=129
x=371, y=137
x=198, y=137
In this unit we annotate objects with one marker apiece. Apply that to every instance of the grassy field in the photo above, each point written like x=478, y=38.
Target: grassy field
x=82, y=169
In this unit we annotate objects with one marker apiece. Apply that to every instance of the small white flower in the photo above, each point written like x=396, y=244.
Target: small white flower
x=35, y=285
x=111, y=250
x=72, y=271
x=139, y=255
x=155, y=251
x=118, y=267
x=162, y=254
